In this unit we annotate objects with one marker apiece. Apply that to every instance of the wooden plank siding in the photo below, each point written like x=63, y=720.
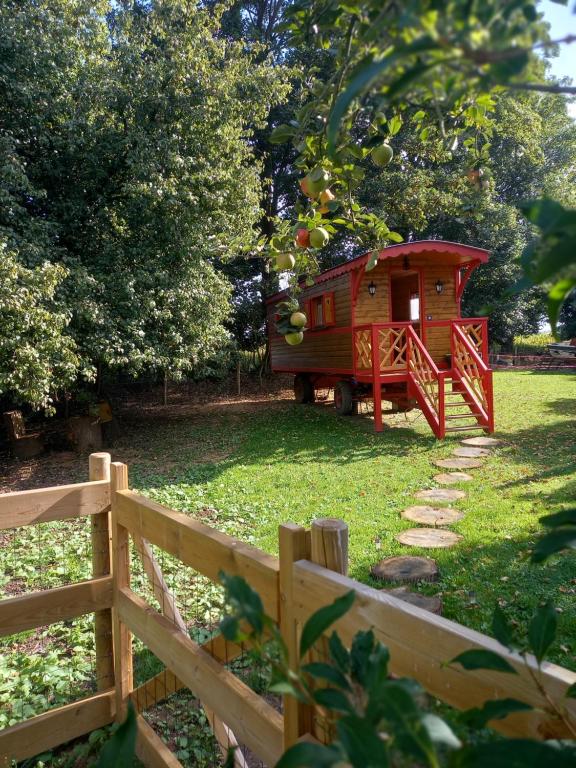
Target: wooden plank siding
x=322, y=349
x=373, y=309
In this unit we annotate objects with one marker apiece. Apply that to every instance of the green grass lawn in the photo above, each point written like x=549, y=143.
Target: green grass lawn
x=247, y=467
x=295, y=463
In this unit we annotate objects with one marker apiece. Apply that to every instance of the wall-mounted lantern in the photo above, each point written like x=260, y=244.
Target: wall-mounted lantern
x=439, y=286
x=372, y=288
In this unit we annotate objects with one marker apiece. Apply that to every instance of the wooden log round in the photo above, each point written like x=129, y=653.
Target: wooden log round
x=405, y=569
x=481, y=442
x=329, y=544
x=468, y=452
x=431, y=603
x=459, y=463
x=432, y=516
x=430, y=538
x=451, y=478
x=441, y=494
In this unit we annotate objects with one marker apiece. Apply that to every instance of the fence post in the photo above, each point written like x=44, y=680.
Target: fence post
x=99, y=469
x=294, y=545
x=121, y=573
x=329, y=548
x=330, y=544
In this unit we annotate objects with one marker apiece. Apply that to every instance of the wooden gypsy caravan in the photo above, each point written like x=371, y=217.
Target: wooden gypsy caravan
x=395, y=333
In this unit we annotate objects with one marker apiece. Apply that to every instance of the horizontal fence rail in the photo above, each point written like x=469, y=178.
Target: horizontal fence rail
x=45, y=505
x=199, y=546
x=421, y=644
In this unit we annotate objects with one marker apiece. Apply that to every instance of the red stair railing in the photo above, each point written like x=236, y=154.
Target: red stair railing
x=426, y=383
x=474, y=376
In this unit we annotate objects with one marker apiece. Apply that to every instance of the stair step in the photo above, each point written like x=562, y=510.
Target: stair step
x=456, y=405
x=465, y=429
x=460, y=416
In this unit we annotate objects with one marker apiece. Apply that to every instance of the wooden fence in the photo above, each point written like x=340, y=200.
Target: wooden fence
x=310, y=572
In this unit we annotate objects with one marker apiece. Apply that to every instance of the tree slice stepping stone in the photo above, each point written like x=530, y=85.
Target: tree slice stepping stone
x=407, y=569
x=459, y=463
x=432, y=515
x=451, y=478
x=433, y=538
x=481, y=442
x=432, y=604
x=441, y=494
x=467, y=452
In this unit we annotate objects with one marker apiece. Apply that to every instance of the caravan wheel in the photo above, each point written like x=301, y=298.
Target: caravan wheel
x=343, y=398
x=303, y=389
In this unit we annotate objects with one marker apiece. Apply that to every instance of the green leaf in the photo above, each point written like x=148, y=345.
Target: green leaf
x=323, y=671
x=556, y=298
x=552, y=543
x=398, y=707
x=363, y=746
x=372, y=261
x=119, y=751
x=493, y=710
x=338, y=652
x=500, y=627
x=333, y=699
x=477, y=658
x=394, y=125
x=243, y=600
x=542, y=628
x=284, y=687
x=440, y=732
x=319, y=622
x=306, y=755
x=282, y=133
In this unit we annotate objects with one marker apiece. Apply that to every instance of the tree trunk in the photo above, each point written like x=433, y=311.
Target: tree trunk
x=165, y=388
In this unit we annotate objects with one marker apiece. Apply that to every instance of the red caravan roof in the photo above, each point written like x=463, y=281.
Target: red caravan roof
x=467, y=254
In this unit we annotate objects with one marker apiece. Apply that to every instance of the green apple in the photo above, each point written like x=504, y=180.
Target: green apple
x=317, y=181
x=294, y=338
x=382, y=155
x=319, y=237
x=298, y=319
x=285, y=261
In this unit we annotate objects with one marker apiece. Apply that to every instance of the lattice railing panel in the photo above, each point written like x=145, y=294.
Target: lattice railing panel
x=363, y=342
x=475, y=335
x=424, y=376
x=468, y=370
x=393, y=346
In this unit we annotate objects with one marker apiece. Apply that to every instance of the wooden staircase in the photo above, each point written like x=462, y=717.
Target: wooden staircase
x=458, y=400
x=465, y=419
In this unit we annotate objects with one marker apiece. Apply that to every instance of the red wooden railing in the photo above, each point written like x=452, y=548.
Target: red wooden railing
x=381, y=349
x=389, y=342
x=474, y=375
x=426, y=383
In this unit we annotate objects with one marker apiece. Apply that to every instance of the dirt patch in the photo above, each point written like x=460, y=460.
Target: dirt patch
x=136, y=410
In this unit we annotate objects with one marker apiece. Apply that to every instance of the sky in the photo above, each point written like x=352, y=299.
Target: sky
x=562, y=20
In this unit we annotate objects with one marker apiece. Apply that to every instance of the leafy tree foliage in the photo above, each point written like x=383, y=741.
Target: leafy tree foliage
x=131, y=126
x=36, y=355
x=456, y=84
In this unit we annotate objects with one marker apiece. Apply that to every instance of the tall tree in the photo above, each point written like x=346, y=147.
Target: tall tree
x=135, y=122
